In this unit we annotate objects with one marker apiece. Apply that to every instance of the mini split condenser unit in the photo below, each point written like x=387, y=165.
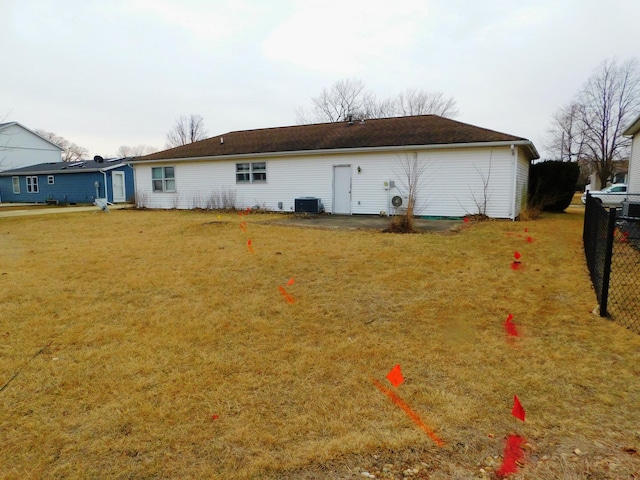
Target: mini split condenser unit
x=400, y=202
x=631, y=209
x=307, y=205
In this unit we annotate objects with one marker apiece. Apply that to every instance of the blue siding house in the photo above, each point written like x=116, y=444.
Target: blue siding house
x=69, y=183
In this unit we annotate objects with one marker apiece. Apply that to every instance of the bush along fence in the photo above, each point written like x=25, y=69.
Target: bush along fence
x=611, y=239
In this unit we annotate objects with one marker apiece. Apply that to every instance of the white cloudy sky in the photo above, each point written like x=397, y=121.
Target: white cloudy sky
x=109, y=73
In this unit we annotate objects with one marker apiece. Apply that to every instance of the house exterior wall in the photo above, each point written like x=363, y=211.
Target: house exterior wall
x=22, y=148
x=67, y=187
x=634, y=165
x=522, y=182
x=455, y=182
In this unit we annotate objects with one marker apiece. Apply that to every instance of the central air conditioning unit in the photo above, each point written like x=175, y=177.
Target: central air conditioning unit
x=400, y=202
x=307, y=205
x=631, y=209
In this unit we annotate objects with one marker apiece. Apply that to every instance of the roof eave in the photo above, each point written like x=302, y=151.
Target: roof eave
x=506, y=143
x=633, y=128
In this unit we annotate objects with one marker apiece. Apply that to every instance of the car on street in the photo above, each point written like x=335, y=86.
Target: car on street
x=612, y=196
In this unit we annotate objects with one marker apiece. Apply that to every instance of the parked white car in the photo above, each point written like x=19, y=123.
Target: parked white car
x=613, y=195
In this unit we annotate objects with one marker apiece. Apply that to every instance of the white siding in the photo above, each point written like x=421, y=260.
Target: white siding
x=522, y=183
x=455, y=182
x=20, y=148
x=634, y=165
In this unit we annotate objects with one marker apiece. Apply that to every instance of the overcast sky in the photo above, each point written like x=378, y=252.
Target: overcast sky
x=109, y=73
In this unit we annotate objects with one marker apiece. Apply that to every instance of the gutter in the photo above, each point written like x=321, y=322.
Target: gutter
x=331, y=151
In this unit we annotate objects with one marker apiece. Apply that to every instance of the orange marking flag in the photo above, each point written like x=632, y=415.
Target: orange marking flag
x=395, y=376
x=290, y=282
x=249, y=246
x=517, y=410
x=243, y=226
x=517, y=255
x=412, y=415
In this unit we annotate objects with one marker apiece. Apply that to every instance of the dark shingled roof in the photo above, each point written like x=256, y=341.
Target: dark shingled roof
x=383, y=132
x=81, y=166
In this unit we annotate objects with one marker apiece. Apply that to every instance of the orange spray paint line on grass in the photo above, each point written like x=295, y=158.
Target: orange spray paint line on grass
x=249, y=246
x=512, y=455
x=510, y=327
x=407, y=409
x=290, y=282
x=243, y=226
x=286, y=296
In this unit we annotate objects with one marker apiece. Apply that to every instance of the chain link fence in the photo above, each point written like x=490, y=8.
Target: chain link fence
x=612, y=248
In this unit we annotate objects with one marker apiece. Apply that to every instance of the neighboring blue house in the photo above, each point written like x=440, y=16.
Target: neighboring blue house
x=69, y=183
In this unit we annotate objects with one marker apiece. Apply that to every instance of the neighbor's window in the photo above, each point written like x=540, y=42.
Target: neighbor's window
x=251, y=172
x=32, y=184
x=16, y=185
x=50, y=180
x=164, y=179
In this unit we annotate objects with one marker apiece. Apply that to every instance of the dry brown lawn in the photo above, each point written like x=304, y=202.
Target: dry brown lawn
x=153, y=344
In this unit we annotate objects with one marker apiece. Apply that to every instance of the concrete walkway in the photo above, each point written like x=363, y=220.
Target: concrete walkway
x=362, y=222
x=46, y=209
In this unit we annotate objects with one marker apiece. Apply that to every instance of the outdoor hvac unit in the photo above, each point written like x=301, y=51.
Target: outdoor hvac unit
x=631, y=209
x=307, y=205
x=400, y=202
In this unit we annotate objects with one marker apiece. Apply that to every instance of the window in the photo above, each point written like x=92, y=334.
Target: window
x=251, y=172
x=164, y=179
x=50, y=180
x=32, y=184
x=16, y=185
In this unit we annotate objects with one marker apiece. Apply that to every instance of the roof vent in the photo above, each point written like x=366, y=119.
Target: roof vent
x=98, y=159
x=350, y=118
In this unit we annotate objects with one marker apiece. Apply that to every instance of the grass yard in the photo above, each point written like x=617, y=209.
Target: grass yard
x=154, y=344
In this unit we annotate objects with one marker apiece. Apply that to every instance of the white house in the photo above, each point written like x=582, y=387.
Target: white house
x=354, y=167
x=634, y=160
x=21, y=147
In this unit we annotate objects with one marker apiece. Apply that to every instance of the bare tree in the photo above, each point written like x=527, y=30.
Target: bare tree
x=186, y=130
x=349, y=97
x=565, y=136
x=421, y=102
x=137, y=151
x=345, y=97
x=411, y=177
x=591, y=127
x=70, y=151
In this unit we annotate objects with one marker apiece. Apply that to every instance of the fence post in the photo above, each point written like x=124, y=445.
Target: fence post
x=608, y=255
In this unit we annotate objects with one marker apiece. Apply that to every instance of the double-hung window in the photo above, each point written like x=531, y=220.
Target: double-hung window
x=32, y=184
x=16, y=185
x=251, y=172
x=164, y=179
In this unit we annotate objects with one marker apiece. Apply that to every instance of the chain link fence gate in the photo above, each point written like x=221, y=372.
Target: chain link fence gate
x=611, y=239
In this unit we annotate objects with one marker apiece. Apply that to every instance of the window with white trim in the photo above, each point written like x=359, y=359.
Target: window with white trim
x=16, y=185
x=163, y=179
x=32, y=184
x=51, y=180
x=251, y=172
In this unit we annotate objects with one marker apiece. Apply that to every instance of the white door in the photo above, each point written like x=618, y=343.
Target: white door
x=342, y=189
x=119, y=192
